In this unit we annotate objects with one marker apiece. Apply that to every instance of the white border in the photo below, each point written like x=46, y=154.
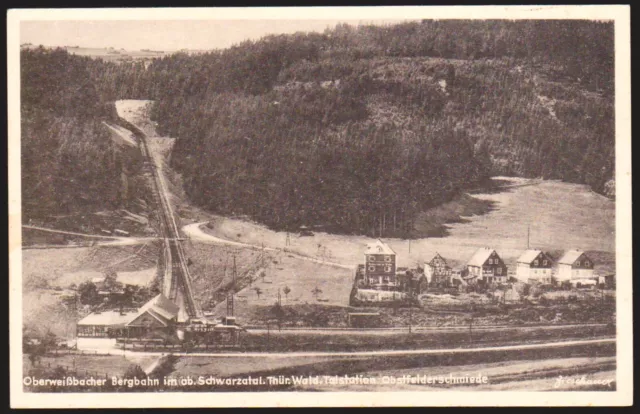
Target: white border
x=624, y=394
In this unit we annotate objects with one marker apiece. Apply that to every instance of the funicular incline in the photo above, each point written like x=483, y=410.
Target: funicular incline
x=172, y=264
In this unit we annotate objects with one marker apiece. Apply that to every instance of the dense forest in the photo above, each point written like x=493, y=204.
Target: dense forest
x=70, y=164
x=359, y=128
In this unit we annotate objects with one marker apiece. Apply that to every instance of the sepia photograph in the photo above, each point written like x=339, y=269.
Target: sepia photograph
x=364, y=206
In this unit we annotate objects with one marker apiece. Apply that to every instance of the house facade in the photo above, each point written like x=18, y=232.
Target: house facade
x=100, y=329
x=487, y=267
x=534, y=266
x=437, y=272
x=380, y=266
x=574, y=265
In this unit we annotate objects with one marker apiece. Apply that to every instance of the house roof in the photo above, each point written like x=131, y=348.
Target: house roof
x=159, y=307
x=107, y=318
x=529, y=256
x=480, y=256
x=162, y=306
x=436, y=257
x=570, y=257
x=378, y=247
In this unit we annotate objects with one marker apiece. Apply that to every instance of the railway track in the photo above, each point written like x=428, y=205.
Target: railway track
x=173, y=263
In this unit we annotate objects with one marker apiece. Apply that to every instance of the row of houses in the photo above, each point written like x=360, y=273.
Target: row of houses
x=379, y=271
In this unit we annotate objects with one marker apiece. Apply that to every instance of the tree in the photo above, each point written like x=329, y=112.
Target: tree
x=286, y=292
x=59, y=373
x=88, y=293
x=50, y=341
x=316, y=292
x=141, y=295
x=258, y=291
x=134, y=371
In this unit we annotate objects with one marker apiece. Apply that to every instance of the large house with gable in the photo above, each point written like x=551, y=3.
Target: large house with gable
x=380, y=266
x=486, y=267
x=574, y=265
x=534, y=266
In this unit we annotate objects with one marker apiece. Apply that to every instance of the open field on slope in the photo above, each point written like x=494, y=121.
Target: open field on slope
x=47, y=272
x=561, y=216
x=212, y=269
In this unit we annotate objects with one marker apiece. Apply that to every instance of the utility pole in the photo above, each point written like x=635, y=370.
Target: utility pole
x=230, y=304
x=268, y=334
x=410, y=308
x=234, y=273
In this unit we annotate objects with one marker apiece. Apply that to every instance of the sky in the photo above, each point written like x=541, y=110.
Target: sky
x=166, y=35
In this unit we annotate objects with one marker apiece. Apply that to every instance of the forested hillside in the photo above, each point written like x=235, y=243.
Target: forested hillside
x=354, y=129
x=358, y=128
x=70, y=164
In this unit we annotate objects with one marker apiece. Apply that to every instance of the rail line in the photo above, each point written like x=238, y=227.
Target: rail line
x=173, y=263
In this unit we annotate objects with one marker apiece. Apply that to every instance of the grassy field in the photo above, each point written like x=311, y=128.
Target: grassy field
x=290, y=341
x=515, y=370
x=561, y=216
x=60, y=267
x=530, y=375
x=223, y=367
x=88, y=364
x=46, y=271
x=212, y=270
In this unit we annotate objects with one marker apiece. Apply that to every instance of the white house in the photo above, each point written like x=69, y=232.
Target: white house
x=486, y=266
x=574, y=265
x=534, y=266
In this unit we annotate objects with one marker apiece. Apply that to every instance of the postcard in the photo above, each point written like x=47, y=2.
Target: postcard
x=327, y=206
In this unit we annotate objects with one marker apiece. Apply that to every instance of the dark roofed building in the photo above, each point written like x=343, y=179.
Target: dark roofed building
x=487, y=266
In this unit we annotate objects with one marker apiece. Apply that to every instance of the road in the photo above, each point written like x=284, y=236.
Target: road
x=414, y=329
x=502, y=348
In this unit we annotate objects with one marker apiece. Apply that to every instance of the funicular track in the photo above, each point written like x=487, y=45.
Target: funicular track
x=173, y=263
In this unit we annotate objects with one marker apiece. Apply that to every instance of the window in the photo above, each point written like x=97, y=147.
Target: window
x=535, y=262
x=372, y=268
x=387, y=258
x=577, y=262
x=372, y=258
x=499, y=270
x=490, y=261
x=544, y=262
x=586, y=263
x=387, y=269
